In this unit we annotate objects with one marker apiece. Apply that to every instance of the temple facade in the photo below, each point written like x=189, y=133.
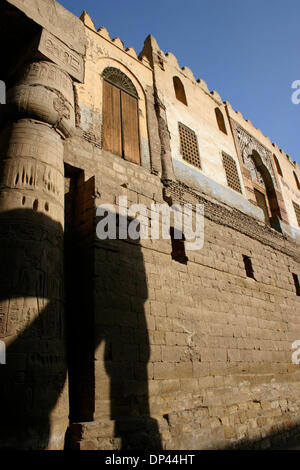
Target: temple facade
x=138, y=342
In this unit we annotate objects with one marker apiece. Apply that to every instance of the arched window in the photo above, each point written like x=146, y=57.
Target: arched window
x=220, y=120
x=278, y=167
x=264, y=189
x=179, y=90
x=120, y=134
x=297, y=181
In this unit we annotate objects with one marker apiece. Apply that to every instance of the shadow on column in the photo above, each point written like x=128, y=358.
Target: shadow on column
x=32, y=320
x=106, y=293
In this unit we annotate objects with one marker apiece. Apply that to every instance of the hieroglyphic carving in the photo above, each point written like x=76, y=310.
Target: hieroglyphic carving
x=30, y=174
x=248, y=144
x=60, y=105
x=61, y=54
x=3, y=317
x=56, y=19
x=50, y=75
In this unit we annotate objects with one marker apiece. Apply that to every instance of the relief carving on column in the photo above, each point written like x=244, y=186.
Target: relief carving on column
x=43, y=91
x=32, y=297
x=248, y=144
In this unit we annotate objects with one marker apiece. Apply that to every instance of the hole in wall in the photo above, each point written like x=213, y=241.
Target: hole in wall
x=35, y=205
x=46, y=207
x=248, y=267
x=166, y=417
x=23, y=201
x=178, y=247
x=297, y=284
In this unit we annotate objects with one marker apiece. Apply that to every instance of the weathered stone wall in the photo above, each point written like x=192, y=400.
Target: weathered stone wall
x=200, y=348
x=286, y=184
x=161, y=354
x=199, y=115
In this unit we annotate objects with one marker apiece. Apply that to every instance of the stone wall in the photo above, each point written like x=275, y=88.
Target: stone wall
x=200, y=348
x=115, y=339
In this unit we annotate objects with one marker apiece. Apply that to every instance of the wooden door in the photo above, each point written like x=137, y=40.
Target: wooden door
x=130, y=128
x=112, y=129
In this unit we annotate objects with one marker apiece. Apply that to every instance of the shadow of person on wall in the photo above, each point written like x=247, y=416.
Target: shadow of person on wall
x=108, y=340
x=121, y=287
x=106, y=291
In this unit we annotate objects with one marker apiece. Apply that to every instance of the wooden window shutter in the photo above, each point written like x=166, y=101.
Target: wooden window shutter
x=189, y=145
x=130, y=128
x=231, y=172
x=262, y=203
x=112, y=132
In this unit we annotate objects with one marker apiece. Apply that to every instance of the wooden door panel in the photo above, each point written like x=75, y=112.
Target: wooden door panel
x=262, y=203
x=130, y=128
x=112, y=136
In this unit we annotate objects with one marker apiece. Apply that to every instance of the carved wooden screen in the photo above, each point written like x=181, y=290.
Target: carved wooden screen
x=120, y=117
x=231, y=171
x=189, y=145
x=262, y=203
x=297, y=212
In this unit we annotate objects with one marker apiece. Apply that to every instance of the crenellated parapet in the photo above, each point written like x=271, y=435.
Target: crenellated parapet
x=117, y=42
x=168, y=59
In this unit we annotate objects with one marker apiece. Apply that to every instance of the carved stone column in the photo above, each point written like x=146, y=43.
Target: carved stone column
x=164, y=134
x=33, y=393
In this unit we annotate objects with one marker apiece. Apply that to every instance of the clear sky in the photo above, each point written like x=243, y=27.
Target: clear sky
x=247, y=50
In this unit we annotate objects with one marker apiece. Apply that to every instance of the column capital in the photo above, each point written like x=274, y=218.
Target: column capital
x=43, y=91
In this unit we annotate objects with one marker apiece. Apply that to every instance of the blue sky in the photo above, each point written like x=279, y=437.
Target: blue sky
x=247, y=50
